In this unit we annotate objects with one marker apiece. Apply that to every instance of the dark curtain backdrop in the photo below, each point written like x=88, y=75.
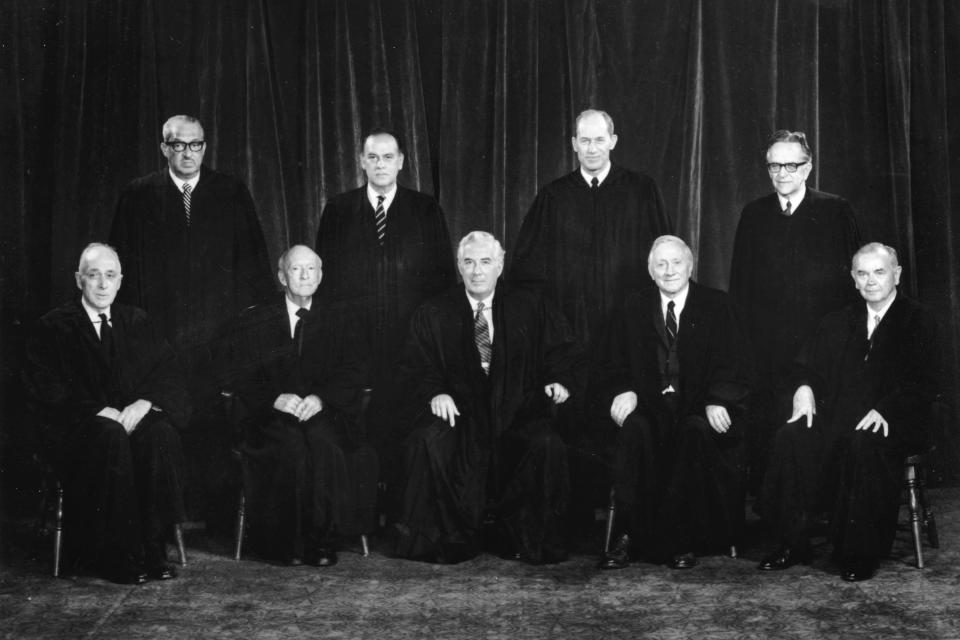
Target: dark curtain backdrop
x=485, y=93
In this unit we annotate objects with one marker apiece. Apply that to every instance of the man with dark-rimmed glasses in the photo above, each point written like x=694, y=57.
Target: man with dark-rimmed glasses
x=790, y=267
x=194, y=254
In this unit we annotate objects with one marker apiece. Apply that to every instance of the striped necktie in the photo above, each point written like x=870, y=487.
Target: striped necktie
x=481, y=336
x=671, y=324
x=186, y=201
x=381, y=219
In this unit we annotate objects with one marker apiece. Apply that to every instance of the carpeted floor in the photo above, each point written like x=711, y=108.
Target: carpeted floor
x=489, y=598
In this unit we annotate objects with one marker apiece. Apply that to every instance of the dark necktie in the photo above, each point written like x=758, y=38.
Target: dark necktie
x=788, y=210
x=481, y=336
x=106, y=335
x=671, y=324
x=186, y=201
x=595, y=183
x=298, y=329
x=381, y=218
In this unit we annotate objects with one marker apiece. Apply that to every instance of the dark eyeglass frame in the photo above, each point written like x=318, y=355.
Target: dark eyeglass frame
x=179, y=146
x=791, y=167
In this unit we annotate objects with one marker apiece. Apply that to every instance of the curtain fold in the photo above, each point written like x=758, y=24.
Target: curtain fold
x=485, y=94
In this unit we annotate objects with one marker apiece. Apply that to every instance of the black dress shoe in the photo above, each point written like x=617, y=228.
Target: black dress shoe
x=325, y=557
x=619, y=556
x=683, y=561
x=784, y=558
x=126, y=575
x=857, y=569
x=161, y=572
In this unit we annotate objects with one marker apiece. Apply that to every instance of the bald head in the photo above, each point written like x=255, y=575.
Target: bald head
x=300, y=271
x=98, y=276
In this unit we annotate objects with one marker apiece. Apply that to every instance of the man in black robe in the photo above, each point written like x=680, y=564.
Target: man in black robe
x=676, y=384
x=865, y=385
x=195, y=257
x=581, y=244
x=789, y=269
x=301, y=377
x=108, y=390
x=385, y=250
x=194, y=250
x=485, y=367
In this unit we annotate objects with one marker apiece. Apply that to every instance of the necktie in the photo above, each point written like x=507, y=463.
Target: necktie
x=106, y=335
x=381, y=217
x=671, y=324
x=481, y=336
x=298, y=329
x=186, y=201
x=595, y=183
x=788, y=210
x=870, y=338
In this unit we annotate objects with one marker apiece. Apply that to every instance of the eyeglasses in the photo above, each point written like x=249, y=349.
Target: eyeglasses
x=791, y=167
x=179, y=146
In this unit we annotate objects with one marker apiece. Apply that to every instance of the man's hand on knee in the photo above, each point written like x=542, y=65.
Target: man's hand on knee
x=623, y=405
x=445, y=408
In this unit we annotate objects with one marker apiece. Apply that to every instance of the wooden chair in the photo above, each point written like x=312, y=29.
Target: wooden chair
x=51, y=484
x=922, y=520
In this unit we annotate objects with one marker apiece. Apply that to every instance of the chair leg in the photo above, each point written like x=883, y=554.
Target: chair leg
x=363, y=543
x=611, y=515
x=58, y=532
x=181, y=550
x=733, y=551
x=928, y=521
x=241, y=525
x=913, y=504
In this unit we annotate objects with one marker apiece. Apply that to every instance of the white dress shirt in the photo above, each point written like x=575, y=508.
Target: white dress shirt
x=292, y=308
x=794, y=200
x=875, y=317
x=600, y=176
x=180, y=181
x=373, y=194
x=94, y=315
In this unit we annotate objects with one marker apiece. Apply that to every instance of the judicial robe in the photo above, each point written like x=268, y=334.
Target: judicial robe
x=383, y=284
x=300, y=478
x=121, y=492
x=194, y=277
x=585, y=249
x=679, y=484
x=502, y=457
x=854, y=475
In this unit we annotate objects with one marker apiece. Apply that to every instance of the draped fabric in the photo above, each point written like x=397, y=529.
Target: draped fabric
x=485, y=93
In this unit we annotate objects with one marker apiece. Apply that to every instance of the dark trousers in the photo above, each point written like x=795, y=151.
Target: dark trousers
x=855, y=477
x=453, y=478
x=679, y=486
x=122, y=493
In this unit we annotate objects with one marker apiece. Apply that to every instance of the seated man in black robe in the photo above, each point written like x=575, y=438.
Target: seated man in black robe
x=108, y=389
x=864, y=388
x=485, y=367
x=675, y=382
x=301, y=376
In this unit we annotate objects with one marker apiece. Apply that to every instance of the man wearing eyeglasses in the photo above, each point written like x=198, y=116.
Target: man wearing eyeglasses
x=790, y=267
x=194, y=253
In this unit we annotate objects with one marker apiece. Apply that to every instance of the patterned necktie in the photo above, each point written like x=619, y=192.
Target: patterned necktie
x=186, y=201
x=381, y=218
x=671, y=324
x=788, y=210
x=298, y=329
x=481, y=336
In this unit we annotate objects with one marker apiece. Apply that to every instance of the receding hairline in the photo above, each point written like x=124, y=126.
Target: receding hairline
x=669, y=239
x=480, y=237
x=96, y=247
x=377, y=134
x=587, y=113
x=282, y=261
x=875, y=248
x=168, y=126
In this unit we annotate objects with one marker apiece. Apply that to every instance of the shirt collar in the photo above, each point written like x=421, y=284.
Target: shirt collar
x=872, y=314
x=600, y=176
x=180, y=181
x=92, y=313
x=679, y=301
x=487, y=302
x=372, y=196
x=795, y=199
x=293, y=307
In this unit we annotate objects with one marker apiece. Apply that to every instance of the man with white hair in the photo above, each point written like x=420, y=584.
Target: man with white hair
x=301, y=379
x=865, y=385
x=484, y=366
x=675, y=382
x=109, y=392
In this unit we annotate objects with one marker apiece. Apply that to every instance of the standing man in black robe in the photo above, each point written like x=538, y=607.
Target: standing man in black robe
x=789, y=269
x=582, y=243
x=485, y=368
x=676, y=383
x=301, y=379
x=865, y=385
x=386, y=250
x=195, y=257
x=107, y=387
